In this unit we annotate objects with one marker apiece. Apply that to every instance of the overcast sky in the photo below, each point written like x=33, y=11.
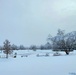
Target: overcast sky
x=29, y=22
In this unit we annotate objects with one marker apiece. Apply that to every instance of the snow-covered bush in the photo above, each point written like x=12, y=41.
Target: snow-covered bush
x=56, y=54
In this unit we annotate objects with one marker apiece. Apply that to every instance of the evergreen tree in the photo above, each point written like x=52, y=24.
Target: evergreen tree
x=7, y=48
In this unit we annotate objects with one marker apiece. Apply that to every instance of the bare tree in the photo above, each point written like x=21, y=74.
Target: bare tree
x=14, y=47
x=21, y=47
x=60, y=42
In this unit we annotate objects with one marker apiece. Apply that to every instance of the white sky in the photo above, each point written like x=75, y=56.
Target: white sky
x=29, y=22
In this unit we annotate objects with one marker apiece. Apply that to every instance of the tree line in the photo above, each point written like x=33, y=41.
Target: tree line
x=7, y=48
x=60, y=42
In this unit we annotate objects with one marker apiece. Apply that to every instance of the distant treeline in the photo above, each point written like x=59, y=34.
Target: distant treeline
x=60, y=42
x=32, y=47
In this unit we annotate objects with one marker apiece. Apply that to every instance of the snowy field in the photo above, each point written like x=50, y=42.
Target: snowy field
x=42, y=65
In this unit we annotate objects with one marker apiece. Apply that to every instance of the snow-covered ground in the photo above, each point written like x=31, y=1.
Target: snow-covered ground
x=42, y=65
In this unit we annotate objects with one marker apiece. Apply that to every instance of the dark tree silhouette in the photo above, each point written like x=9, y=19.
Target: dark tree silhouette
x=7, y=48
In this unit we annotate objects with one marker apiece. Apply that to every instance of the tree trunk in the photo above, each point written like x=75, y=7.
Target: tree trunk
x=6, y=55
x=67, y=52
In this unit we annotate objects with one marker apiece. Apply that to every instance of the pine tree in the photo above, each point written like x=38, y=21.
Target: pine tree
x=7, y=48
